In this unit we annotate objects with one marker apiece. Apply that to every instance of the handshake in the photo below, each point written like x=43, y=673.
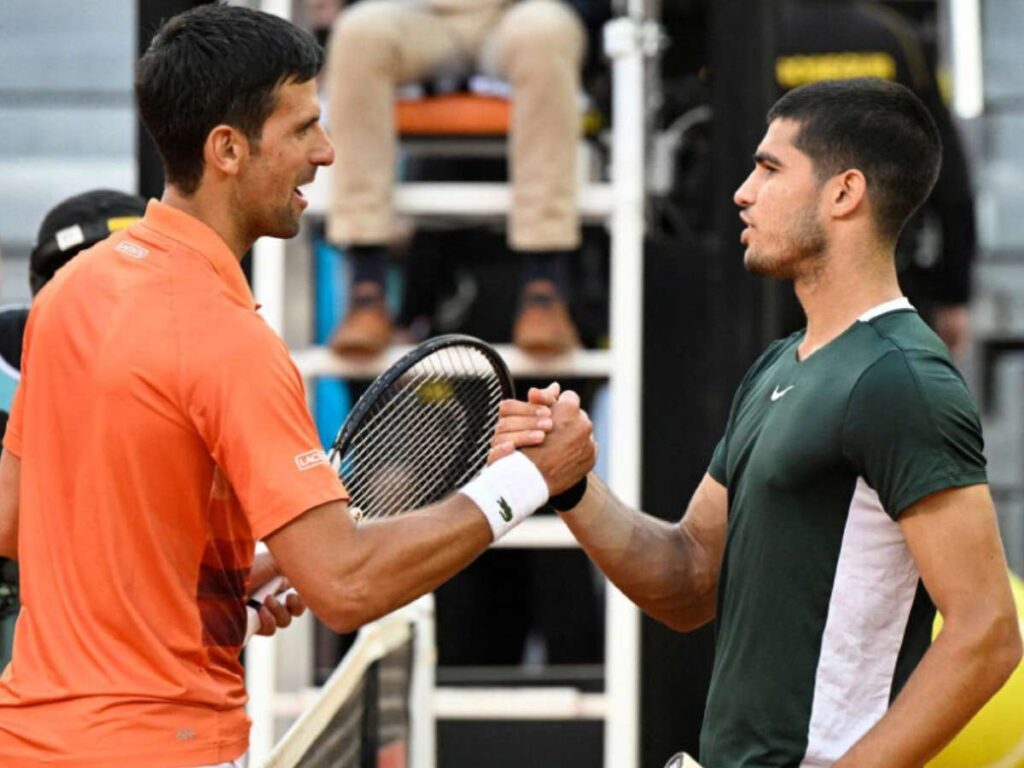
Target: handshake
x=555, y=434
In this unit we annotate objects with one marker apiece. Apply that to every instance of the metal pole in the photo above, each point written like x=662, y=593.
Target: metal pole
x=423, y=723
x=268, y=280
x=622, y=39
x=966, y=44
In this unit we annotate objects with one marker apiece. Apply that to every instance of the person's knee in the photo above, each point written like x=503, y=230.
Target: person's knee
x=364, y=30
x=541, y=28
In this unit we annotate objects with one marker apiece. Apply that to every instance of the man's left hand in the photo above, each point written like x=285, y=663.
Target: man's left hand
x=275, y=613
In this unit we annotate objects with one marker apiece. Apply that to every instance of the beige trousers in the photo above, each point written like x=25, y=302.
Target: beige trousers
x=537, y=45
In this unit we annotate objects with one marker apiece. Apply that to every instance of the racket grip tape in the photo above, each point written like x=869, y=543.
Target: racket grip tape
x=507, y=492
x=254, y=603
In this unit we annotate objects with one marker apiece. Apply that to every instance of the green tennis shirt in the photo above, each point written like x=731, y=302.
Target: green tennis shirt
x=821, y=612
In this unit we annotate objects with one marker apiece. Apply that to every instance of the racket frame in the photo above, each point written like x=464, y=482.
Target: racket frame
x=399, y=368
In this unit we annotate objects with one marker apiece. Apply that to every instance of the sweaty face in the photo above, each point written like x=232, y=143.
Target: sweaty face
x=291, y=147
x=784, y=237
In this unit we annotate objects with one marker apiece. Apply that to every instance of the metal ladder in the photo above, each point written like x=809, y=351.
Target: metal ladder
x=628, y=40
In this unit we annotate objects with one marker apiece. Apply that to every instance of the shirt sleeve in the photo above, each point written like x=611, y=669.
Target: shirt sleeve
x=912, y=429
x=250, y=410
x=717, y=468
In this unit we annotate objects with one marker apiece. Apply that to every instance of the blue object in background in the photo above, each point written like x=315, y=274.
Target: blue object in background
x=331, y=399
x=600, y=417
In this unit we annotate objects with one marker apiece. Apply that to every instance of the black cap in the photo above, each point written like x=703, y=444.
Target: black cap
x=76, y=224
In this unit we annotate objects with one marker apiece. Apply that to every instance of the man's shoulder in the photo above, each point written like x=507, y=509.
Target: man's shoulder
x=909, y=366
x=905, y=337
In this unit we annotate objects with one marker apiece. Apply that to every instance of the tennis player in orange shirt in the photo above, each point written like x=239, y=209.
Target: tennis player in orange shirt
x=160, y=428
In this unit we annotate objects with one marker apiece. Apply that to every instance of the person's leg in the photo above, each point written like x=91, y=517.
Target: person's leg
x=374, y=46
x=538, y=46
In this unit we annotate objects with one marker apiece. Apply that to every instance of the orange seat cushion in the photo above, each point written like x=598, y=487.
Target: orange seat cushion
x=456, y=114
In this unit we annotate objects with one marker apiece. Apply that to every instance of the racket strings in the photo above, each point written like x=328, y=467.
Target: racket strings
x=442, y=484
x=389, y=493
x=427, y=437
x=397, y=413
x=391, y=411
x=407, y=390
x=393, y=487
x=433, y=456
x=460, y=453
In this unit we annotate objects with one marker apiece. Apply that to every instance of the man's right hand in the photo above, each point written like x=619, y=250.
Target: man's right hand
x=569, y=451
x=523, y=424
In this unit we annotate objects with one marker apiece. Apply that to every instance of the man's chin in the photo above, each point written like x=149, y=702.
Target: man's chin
x=285, y=230
x=757, y=264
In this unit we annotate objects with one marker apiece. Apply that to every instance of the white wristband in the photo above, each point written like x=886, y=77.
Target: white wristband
x=507, y=492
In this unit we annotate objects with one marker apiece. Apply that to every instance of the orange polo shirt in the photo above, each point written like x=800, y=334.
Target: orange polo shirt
x=161, y=427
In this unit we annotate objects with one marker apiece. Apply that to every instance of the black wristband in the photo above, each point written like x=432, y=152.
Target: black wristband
x=568, y=499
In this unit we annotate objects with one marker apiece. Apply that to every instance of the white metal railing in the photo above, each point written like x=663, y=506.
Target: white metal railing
x=623, y=44
x=585, y=363
x=415, y=622
x=621, y=205
x=462, y=200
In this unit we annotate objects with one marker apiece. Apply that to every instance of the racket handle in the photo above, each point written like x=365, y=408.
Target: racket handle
x=252, y=611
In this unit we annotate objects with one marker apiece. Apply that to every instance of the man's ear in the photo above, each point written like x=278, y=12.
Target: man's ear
x=226, y=150
x=846, y=193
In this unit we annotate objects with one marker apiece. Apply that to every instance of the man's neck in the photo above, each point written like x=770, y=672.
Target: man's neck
x=844, y=290
x=216, y=216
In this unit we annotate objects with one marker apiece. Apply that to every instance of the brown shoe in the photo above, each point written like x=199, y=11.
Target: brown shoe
x=543, y=326
x=366, y=330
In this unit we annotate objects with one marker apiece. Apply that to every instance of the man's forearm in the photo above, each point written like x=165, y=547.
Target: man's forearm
x=349, y=576
x=651, y=561
x=958, y=674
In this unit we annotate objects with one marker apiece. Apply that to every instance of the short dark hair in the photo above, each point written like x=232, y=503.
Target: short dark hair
x=216, y=64
x=878, y=127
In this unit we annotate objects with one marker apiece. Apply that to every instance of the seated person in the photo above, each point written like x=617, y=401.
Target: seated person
x=538, y=46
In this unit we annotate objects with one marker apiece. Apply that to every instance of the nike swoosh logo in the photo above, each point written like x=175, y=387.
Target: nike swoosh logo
x=777, y=393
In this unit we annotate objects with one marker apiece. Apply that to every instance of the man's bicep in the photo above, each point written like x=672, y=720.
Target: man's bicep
x=706, y=520
x=310, y=548
x=954, y=539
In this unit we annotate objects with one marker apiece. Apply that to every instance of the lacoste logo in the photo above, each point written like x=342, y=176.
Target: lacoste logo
x=778, y=393
x=131, y=249
x=310, y=459
x=504, y=509
x=185, y=734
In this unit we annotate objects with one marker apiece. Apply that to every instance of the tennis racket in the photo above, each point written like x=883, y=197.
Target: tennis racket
x=422, y=430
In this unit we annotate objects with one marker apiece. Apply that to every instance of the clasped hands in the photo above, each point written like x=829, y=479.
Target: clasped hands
x=552, y=430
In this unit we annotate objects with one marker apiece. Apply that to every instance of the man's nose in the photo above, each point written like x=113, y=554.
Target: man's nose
x=744, y=195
